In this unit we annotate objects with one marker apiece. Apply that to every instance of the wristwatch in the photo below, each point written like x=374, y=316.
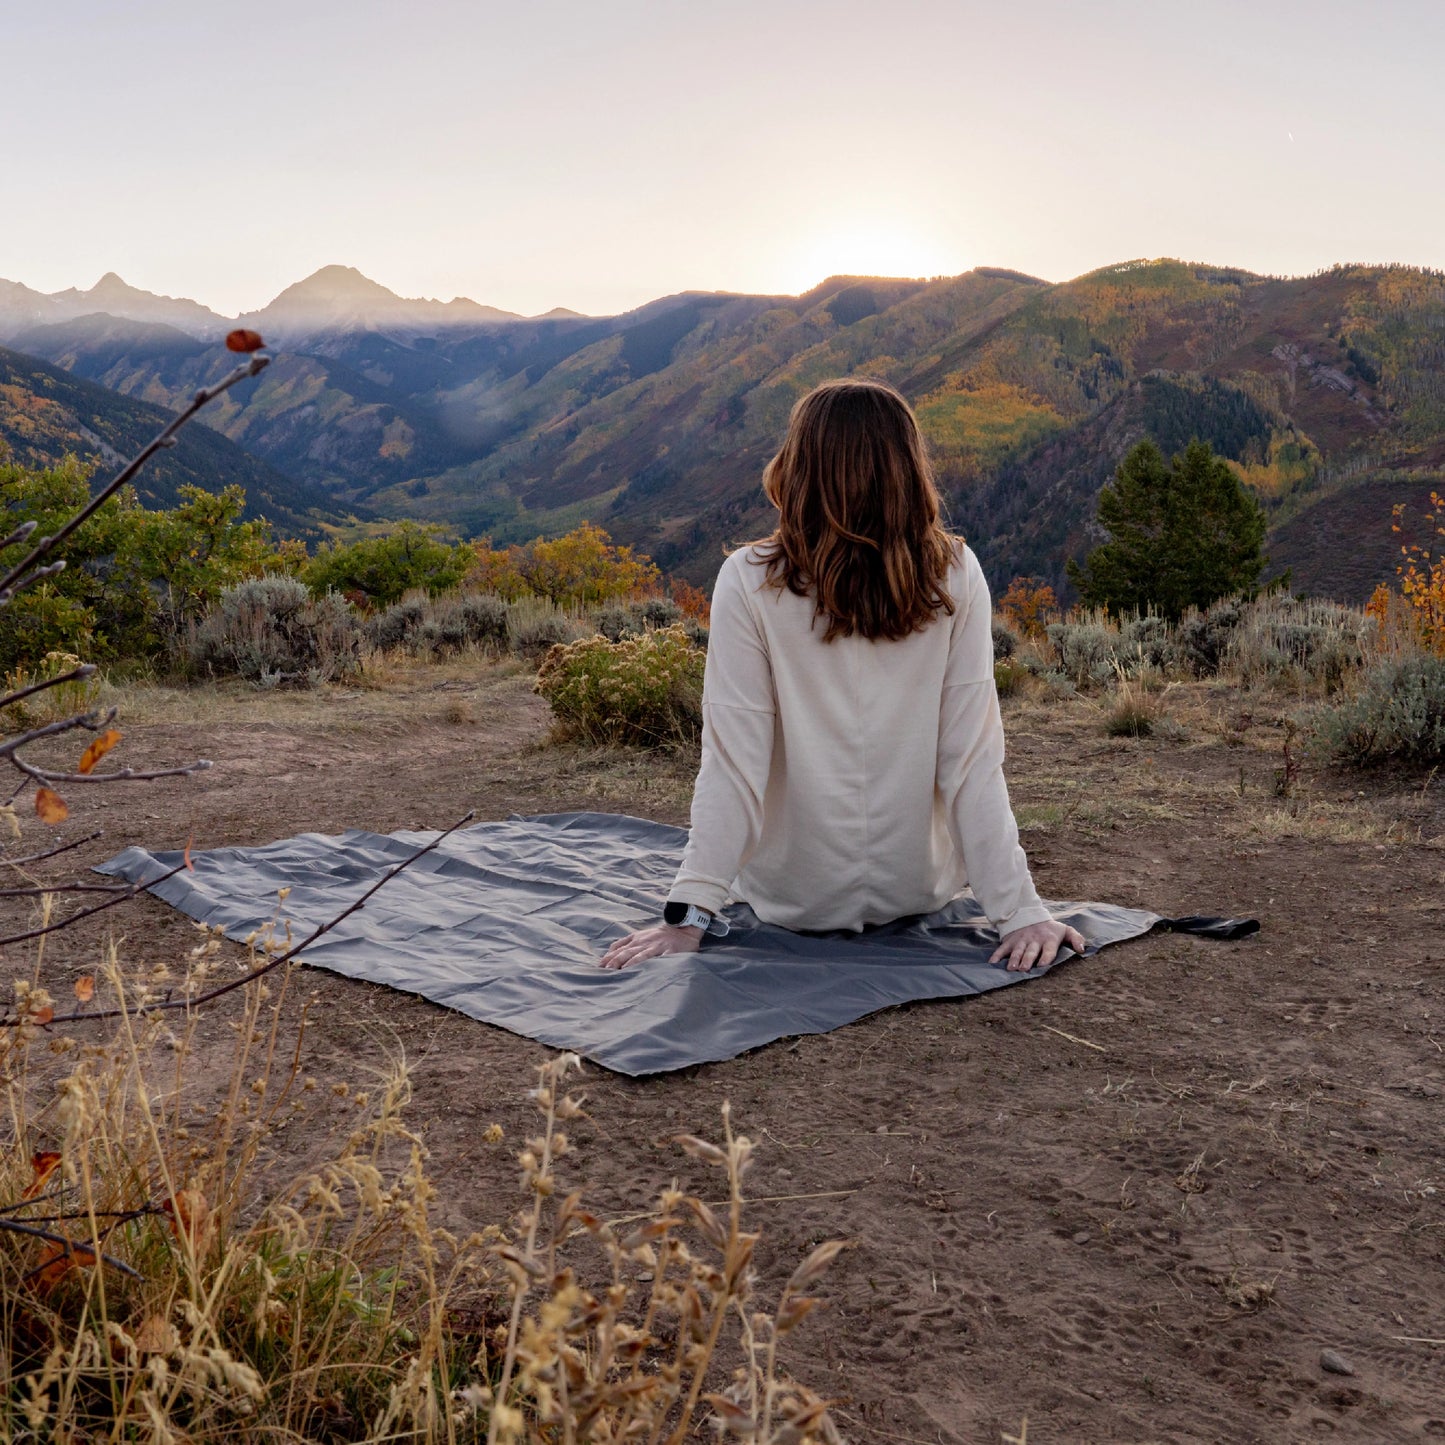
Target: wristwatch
x=689, y=915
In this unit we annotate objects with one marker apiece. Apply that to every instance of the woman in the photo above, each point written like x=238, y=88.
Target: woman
x=852, y=748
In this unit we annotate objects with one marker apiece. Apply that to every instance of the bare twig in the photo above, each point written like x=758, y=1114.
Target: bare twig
x=1074, y=1038
x=72, y=1249
x=130, y=892
x=119, y=775
x=247, y=978
x=10, y=583
x=86, y=669
x=52, y=852
x=63, y=888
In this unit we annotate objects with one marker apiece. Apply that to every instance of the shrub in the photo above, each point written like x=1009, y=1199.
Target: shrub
x=1026, y=603
x=384, y=569
x=617, y=622
x=1202, y=638
x=644, y=690
x=1281, y=638
x=583, y=568
x=1133, y=712
x=1147, y=641
x=442, y=625
x=1397, y=716
x=1087, y=651
x=271, y=630
x=398, y=625
x=135, y=579
x=79, y=695
x=538, y=625
x=1005, y=644
x=1008, y=677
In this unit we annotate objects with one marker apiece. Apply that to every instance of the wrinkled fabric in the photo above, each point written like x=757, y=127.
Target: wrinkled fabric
x=505, y=922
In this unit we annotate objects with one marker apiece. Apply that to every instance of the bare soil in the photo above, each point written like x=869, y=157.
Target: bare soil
x=1132, y=1201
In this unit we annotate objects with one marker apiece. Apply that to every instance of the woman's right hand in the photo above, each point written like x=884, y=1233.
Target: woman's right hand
x=1037, y=945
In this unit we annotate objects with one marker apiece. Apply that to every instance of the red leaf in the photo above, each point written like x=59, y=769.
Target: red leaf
x=44, y=1162
x=243, y=340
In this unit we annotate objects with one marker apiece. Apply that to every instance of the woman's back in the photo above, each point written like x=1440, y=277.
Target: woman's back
x=839, y=766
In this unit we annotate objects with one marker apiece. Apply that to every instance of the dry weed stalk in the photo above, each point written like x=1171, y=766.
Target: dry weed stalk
x=631, y=1360
x=190, y=1291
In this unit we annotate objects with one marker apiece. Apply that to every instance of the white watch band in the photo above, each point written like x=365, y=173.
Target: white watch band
x=696, y=917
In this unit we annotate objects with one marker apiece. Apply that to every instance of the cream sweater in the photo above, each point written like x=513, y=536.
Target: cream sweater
x=851, y=782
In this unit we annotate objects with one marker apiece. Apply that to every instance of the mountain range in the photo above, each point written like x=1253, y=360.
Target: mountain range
x=1327, y=393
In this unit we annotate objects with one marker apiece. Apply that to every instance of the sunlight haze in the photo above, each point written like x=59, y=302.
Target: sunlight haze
x=598, y=156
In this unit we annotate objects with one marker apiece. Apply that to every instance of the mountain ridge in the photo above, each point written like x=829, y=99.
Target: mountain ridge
x=656, y=423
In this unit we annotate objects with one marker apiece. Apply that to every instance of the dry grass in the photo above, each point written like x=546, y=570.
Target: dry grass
x=164, y=1277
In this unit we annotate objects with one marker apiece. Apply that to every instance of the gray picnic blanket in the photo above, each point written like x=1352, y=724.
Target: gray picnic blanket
x=505, y=922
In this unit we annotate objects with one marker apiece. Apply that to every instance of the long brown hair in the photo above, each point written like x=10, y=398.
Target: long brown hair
x=858, y=525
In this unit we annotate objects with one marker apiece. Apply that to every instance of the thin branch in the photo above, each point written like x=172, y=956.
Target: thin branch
x=252, y=366
x=93, y=721
x=130, y=892
x=52, y=852
x=255, y=973
x=86, y=669
x=71, y=1247
x=63, y=888
x=120, y=775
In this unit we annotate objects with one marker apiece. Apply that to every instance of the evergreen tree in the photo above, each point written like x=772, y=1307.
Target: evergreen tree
x=1181, y=534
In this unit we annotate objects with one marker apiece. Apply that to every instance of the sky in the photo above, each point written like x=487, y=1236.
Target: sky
x=596, y=154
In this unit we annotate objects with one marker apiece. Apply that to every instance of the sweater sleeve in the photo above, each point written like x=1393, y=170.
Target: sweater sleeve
x=738, y=708
x=970, y=768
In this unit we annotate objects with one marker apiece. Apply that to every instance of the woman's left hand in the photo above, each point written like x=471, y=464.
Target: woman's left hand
x=651, y=943
x=1037, y=945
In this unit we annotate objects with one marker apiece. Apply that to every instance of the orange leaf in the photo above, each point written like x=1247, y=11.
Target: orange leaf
x=56, y=1262
x=42, y=1016
x=243, y=340
x=191, y=1214
x=85, y=987
x=50, y=806
x=44, y=1162
x=97, y=750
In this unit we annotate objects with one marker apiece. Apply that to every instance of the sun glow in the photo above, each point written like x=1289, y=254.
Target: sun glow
x=870, y=250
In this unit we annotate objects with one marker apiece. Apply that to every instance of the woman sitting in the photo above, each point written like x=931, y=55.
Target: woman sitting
x=852, y=747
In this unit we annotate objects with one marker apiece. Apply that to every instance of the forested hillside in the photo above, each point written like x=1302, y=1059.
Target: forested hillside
x=1326, y=392
x=46, y=414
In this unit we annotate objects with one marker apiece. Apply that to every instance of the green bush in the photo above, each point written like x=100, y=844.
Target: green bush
x=382, y=570
x=1008, y=677
x=644, y=690
x=1005, y=642
x=271, y=630
x=1397, y=716
x=135, y=580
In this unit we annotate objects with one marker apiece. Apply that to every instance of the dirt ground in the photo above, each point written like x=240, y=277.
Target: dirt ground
x=1132, y=1201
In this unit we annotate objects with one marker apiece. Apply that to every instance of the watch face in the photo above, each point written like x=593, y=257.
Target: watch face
x=674, y=913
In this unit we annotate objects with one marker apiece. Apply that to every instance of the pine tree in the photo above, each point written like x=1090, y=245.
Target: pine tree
x=1181, y=534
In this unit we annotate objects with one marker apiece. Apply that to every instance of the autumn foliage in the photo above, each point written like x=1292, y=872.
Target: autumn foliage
x=1422, y=578
x=584, y=568
x=1027, y=604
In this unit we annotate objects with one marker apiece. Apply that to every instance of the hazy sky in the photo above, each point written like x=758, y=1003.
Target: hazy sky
x=598, y=153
